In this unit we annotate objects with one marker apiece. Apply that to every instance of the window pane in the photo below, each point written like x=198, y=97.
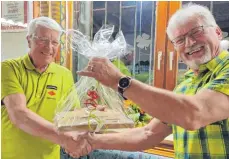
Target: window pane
x=98, y=4
x=128, y=23
x=205, y=3
x=113, y=14
x=98, y=20
x=128, y=3
x=221, y=13
x=136, y=19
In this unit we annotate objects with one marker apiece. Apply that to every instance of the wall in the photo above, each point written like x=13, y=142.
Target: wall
x=13, y=45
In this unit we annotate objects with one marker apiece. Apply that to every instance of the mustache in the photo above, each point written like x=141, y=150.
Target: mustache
x=190, y=49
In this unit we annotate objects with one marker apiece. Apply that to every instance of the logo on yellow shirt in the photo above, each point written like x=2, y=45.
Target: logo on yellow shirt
x=51, y=93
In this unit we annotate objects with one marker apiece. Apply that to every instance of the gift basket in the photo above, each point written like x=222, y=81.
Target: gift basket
x=89, y=105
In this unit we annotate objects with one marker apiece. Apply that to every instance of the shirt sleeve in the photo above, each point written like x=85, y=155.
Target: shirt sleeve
x=221, y=82
x=122, y=67
x=10, y=80
x=70, y=80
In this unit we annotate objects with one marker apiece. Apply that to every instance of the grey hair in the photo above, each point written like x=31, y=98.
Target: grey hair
x=44, y=22
x=188, y=11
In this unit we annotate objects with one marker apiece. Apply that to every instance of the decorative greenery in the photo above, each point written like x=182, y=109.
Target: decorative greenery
x=136, y=113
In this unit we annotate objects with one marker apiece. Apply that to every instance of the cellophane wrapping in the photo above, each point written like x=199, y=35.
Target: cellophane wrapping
x=89, y=105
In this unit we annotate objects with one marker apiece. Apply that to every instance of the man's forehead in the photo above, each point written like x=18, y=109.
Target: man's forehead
x=44, y=30
x=185, y=27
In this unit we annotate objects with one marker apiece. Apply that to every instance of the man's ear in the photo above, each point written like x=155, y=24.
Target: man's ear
x=219, y=33
x=28, y=40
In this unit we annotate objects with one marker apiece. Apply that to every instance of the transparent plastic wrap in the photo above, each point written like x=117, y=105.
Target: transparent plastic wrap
x=89, y=105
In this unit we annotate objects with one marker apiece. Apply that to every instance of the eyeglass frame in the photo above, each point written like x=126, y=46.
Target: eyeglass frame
x=45, y=40
x=190, y=34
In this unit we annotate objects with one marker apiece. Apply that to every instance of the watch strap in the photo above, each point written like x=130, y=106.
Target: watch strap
x=121, y=91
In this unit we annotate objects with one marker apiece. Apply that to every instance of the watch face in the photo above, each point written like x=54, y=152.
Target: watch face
x=124, y=82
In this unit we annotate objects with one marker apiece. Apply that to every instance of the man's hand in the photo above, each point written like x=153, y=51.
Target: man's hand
x=70, y=140
x=103, y=71
x=82, y=143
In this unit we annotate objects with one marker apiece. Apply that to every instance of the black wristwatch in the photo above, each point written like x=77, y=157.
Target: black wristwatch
x=123, y=84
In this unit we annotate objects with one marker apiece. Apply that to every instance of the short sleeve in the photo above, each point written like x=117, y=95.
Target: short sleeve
x=122, y=67
x=221, y=81
x=9, y=81
x=70, y=81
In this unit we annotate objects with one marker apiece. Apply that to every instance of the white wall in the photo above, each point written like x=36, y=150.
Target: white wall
x=13, y=45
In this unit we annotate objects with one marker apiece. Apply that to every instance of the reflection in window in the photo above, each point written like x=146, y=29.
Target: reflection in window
x=98, y=4
x=129, y=3
x=113, y=15
x=221, y=14
x=136, y=19
x=98, y=20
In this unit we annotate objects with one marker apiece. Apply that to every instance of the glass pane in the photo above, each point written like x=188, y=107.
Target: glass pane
x=221, y=14
x=98, y=20
x=98, y=4
x=128, y=29
x=128, y=24
x=113, y=15
x=128, y=3
x=144, y=42
x=182, y=68
x=205, y=3
x=136, y=20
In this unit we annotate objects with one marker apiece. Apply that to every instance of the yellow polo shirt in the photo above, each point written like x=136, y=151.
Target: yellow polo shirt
x=42, y=91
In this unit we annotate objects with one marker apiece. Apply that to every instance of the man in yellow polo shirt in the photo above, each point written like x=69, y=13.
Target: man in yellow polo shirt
x=31, y=86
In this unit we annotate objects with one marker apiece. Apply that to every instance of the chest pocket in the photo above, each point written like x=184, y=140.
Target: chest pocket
x=54, y=87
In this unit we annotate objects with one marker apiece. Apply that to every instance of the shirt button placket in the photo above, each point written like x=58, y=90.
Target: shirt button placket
x=39, y=91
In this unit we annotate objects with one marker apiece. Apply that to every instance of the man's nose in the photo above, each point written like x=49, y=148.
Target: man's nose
x=189, y=41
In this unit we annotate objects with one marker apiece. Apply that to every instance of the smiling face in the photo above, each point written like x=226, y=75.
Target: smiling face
x=43, y=46
x=200, y=46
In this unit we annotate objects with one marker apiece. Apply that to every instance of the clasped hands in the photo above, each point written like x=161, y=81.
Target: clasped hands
x=76, y=144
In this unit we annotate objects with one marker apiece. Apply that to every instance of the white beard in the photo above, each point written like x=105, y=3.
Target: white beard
x=195, y=64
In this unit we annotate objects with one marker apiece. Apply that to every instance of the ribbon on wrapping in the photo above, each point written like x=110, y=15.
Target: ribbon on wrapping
x=93, y=102
x=99, y=122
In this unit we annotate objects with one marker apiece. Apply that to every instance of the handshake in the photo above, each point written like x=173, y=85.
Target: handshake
x=76, y=144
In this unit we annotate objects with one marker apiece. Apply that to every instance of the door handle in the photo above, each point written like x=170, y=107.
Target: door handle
x=170, y=60
x=159, y=58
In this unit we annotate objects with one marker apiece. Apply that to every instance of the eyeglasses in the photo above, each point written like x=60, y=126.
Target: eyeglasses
x=194, y=33
x=45, y=40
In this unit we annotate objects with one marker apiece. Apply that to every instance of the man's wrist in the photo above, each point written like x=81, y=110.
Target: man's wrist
x=60, y=138
x=115, y=85
x=95, y=142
